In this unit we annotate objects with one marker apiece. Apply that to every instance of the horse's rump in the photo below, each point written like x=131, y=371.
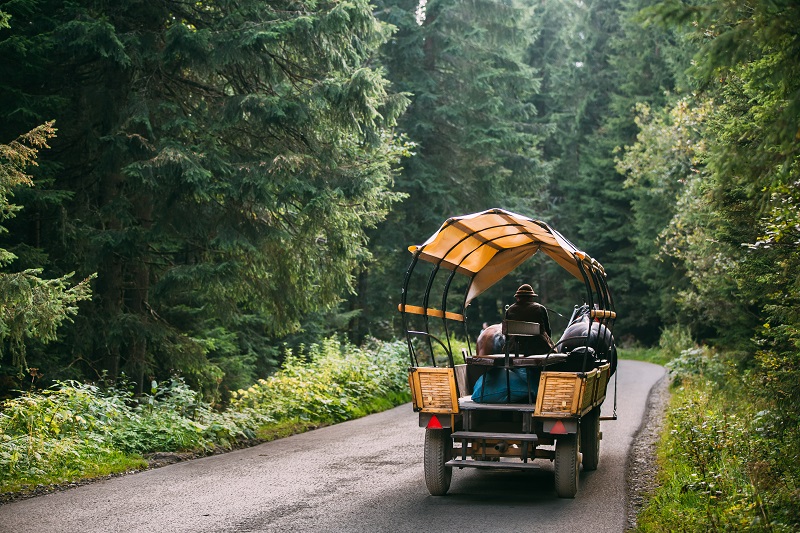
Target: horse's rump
x=491, y=340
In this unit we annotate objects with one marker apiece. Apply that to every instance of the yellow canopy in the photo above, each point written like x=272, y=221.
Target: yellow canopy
x=488, y=245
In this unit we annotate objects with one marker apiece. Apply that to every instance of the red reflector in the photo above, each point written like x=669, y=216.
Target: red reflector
x=434, y=423
x=558, y=428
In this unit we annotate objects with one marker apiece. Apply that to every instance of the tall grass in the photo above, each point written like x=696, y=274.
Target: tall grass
x=75, y=430
x=673, y=342
x=727, y=463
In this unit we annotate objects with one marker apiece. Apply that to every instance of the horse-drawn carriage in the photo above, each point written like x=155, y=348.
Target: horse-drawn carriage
x=541, y=405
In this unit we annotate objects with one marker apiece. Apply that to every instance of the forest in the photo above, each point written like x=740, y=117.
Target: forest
x=202, y=190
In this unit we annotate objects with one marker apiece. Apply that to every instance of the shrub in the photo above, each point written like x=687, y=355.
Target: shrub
x=728, y=462
x=76, y=430
x=57, y=433
x=64, y=432
x=674, y=340
x=333, y=382
x=698, y=362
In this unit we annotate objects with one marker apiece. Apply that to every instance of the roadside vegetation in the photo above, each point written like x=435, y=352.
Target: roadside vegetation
x=673, y=341
x=728, y=456
x=75, y=431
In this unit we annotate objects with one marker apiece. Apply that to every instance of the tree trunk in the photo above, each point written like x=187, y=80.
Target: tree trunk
x=139, y=294
x=109, y=292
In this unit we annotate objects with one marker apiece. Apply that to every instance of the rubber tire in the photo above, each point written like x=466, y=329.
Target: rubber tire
x=438, y=450
x=590, y=439
x=566, y=466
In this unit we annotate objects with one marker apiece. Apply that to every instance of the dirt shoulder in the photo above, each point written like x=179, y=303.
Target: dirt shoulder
x=642, y=465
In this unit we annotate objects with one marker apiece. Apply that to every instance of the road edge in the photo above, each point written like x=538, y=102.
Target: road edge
x=641, y=467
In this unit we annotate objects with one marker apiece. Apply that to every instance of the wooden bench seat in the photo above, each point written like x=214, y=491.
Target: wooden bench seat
x=516, y=361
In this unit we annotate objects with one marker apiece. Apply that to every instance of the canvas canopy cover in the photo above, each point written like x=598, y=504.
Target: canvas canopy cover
x=488, y=245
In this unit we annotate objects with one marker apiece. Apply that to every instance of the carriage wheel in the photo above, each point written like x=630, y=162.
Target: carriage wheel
x=590, y=439
x=438, y=450
x=566, y=466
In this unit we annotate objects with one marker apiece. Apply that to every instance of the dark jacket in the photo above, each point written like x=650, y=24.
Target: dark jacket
x=526, y=310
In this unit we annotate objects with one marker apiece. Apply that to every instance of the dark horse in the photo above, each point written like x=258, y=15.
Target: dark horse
x=581, y=333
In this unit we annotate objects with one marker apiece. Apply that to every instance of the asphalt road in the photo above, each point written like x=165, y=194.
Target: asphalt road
x=364, y=475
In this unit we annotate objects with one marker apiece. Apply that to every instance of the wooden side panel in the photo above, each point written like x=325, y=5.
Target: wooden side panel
x=560, y=394
x=415, y=392
x=602, y=383
x=433, y=390
x=590, y=389
x=462, y=379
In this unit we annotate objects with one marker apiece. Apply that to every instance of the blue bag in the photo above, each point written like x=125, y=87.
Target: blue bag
x=492, y=387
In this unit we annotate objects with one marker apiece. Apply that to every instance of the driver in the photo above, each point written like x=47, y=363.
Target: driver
x=527, y=310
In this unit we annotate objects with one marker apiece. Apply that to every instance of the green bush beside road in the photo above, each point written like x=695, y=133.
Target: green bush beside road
x=727, y=460
x=75, y=431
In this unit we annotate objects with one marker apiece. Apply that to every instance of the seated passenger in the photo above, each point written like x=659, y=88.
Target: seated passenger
x=527, y=310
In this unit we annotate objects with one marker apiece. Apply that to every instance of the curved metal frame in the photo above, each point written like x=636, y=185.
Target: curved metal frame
x=593, y=278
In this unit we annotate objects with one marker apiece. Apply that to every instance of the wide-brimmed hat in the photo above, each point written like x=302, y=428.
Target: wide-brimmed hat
x=525, y=290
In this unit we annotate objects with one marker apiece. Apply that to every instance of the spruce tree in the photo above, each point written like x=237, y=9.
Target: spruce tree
x=599, y=63
x=221, y=163
x=471, y=119
x=31, y=307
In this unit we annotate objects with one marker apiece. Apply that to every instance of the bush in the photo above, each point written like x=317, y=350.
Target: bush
x=674, y=340
x=67, y=430
x=698, y=362
x=728, y=462
x=333, y=382
x=76, y=430
x=58, y=433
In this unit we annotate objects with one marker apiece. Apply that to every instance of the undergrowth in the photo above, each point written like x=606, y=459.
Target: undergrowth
x=673, y=341
x=74, y=430
x=727, y=462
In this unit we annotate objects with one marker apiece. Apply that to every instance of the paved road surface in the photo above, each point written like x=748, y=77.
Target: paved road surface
x=364, y=475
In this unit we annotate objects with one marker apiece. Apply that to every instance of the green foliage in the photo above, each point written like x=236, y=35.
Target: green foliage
x=473, y=124
x=331, y=383
x=735, y=229
x=56, y=429
x=666, y=154
x=727, y=461
x=731, y=460
x=641, y=353
x=778, y=366
x=697, y=363
x=598, y=65
x=675, y=340
x=34, y=308
x=74, y=430
x=30, y=307
x=675, y=346
x=52, y=435
x=15, y=157
x=237, y=184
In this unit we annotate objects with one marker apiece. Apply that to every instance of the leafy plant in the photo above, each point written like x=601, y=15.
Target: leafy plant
x=57, y=433
x=728, y=462
x=75, y=430
x=331, y=382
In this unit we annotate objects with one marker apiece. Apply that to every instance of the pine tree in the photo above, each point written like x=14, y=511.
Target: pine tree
x=471, y=118
x=31, y=307
x=222, y=162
